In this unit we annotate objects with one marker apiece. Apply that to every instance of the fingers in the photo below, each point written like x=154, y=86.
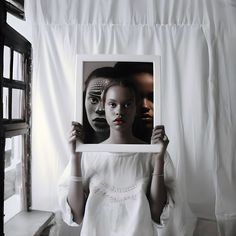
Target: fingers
x=159, y=128
x=163, y=140
x=159, y=136
x=77, y=132
x=76, y=125
x=76, y=135
x=158, y=132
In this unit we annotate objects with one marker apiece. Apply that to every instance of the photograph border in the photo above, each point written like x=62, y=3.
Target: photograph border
x=79, y=85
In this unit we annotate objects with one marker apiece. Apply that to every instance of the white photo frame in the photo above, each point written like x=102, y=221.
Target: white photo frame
x=104, y=58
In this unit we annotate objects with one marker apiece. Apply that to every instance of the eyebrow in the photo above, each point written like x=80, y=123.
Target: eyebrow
x=111, y=100
x=95, y=93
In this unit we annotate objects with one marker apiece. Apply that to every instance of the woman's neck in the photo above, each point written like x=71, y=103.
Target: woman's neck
x=120, y=137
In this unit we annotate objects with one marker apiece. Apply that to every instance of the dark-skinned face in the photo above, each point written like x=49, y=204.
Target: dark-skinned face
x=144, y=82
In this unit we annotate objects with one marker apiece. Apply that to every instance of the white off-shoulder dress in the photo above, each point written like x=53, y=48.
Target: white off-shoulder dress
x=117, y=204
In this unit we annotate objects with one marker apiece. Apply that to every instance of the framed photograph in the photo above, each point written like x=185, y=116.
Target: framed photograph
x=94, y=73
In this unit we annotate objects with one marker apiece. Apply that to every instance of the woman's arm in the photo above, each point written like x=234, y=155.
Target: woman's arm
x=158, y=193
x=76, y=198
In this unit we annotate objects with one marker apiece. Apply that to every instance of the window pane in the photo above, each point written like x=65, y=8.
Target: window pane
x=18, y=66
x=5, y=99
x=17, y=104
x=6, y=62
x=13, y=176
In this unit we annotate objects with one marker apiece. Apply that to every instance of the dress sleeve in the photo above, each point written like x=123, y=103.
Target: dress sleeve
x=63, y=189
x=169, y=178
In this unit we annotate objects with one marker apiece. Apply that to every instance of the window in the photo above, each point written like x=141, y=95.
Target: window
x=13, y=183
x=14, y=84
x=15, y=108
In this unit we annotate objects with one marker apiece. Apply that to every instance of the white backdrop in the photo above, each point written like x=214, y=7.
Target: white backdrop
x=196, y=41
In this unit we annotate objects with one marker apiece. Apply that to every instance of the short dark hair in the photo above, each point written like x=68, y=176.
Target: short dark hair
x=132, y=68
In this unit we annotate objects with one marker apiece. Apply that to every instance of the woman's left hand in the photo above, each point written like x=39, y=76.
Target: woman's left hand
x=159, y=137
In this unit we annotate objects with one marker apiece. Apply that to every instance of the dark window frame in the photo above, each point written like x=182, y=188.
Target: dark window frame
x=13, y=127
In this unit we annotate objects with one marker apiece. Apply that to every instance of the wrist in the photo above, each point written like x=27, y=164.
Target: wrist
x=76, y=165
x=159, y=158
x=76, y=157
x=75, y=162
x=158, y=165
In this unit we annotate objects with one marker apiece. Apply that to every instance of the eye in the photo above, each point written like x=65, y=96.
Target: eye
x=112, y=104
x=128, y=104
x=93, y=100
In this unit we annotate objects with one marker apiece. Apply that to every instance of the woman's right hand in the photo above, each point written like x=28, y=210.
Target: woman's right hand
x=76, y=134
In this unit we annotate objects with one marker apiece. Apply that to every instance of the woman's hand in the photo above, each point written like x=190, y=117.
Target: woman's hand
x=76, y=134
x=159, y=137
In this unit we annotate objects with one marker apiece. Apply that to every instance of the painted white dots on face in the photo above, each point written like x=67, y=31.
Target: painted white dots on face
x=93, y=104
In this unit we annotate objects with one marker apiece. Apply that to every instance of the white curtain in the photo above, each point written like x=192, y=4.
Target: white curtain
x=196, y=41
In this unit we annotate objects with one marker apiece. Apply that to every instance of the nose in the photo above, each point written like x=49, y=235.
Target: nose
x=100, y=109
x=144, y=105
x=119, y=110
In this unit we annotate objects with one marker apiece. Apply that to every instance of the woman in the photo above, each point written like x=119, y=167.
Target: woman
x=118, y=193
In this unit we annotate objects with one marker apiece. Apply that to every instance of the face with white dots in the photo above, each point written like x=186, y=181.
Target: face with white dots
x=93, y=104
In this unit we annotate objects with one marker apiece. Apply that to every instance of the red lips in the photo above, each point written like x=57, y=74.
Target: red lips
x=119, y=121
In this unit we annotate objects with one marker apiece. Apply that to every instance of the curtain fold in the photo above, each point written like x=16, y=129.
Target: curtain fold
x=196, y=41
